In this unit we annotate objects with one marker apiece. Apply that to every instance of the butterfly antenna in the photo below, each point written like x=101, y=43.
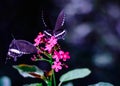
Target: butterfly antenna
x=7, y=58
x=12, y=36
x=42, y=15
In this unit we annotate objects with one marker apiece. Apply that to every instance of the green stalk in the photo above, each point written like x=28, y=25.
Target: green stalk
x=43, y=60
x=54, y=79
x=53, y=74
x=51, y=81
x=46, y=54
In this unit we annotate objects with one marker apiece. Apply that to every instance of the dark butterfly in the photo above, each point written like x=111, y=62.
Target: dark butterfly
x=58, y=31
x=19, y=47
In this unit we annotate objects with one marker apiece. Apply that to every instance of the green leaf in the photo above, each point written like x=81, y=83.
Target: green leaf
x=29, y=71
x=102, y=84
x=75, y=74
x=26, y=68
x=34, y=84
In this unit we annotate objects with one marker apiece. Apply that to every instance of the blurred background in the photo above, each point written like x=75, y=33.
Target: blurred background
x=93, y=36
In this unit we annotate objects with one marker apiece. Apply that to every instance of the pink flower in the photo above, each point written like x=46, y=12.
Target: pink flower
x=33, y=58
x=61, y=55
x=38, y=39
x=56, y=56
x=51, y=43
x=48, y=47
x=39, y=52
x=65, y=56
x=57, y=66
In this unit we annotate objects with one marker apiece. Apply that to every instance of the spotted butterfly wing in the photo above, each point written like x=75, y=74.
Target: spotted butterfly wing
x=48, y=26
x=58, y=31
x=19, y=47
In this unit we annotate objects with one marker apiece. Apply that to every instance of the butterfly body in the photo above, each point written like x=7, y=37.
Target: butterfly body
x=19, y=47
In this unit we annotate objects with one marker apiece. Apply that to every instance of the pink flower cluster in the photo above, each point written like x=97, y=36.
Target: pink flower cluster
x=51, y=47
x=58, y=56
x=51, y=43
x=61, y=55
x=57, y=66
x=38, y=40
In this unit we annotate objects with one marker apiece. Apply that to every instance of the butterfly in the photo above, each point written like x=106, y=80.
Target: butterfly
x=58, y=31
x=17, y=48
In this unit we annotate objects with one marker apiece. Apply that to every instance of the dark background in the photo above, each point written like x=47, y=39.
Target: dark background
x=93, y=36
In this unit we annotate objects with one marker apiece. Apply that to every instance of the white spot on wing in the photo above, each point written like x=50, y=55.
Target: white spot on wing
x=47, y=33
x=61, y=33
x=63, y=20
x=15, y=51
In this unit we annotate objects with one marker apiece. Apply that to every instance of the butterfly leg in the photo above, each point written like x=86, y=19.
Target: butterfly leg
x=15, y=59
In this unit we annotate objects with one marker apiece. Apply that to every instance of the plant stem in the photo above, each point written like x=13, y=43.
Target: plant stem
x=46, y=54
x=54, y=80
x=42, y=59
x=46, y=60
x=51, y=81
